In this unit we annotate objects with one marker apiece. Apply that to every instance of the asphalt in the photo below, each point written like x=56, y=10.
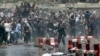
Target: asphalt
x=26, y=50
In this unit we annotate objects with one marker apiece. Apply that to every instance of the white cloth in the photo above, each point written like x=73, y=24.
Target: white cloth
x=8, y=38
x=52, y=41
x=7, y=27
x=56, y=24
x=1, y=14
x=58, y=54
x=77, y=19
x=46, y=54
x=94, y=11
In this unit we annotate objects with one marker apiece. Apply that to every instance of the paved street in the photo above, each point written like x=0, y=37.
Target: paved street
x=23, y=50
x=19, y=50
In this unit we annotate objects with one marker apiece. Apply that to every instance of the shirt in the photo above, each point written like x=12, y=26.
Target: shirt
x=7, y=27
x=18, y=27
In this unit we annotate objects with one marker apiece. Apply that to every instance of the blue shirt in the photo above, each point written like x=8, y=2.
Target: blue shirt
x=18, y=27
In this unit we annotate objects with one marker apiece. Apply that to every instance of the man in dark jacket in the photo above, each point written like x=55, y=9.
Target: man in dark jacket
x=61, y=32
x=87, y=17
x=72, y=25
x=3, y=35
x=50, y=29
x=27, y=32
x=91, y=27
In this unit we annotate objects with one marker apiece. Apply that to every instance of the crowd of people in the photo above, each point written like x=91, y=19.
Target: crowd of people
x=29, y=22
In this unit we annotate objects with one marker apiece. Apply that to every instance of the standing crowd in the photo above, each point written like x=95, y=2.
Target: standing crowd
x=29, y=22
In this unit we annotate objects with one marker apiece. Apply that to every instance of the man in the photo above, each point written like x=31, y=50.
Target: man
x=2, y=35
x=72, y=26
x=91, y=27
x=50, y=29
x=41, y=27
x=61, y=32
x=18, y=31
x=87, y=16
x=8, y=29
x=27, y=32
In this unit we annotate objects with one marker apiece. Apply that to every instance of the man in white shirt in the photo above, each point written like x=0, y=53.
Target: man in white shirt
x=8, y=28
